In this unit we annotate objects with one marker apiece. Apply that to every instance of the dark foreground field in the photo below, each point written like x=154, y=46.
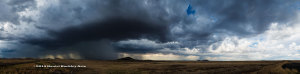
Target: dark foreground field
x=146, y=67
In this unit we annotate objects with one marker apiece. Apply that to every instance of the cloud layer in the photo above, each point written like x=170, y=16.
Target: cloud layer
x=181, y=29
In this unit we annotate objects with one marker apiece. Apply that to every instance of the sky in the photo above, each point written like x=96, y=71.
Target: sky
x=221, y=30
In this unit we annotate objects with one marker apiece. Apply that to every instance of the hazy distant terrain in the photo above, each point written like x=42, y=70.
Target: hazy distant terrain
x=142, y=67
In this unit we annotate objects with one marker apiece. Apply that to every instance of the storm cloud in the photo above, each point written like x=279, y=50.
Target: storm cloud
x=103, y=29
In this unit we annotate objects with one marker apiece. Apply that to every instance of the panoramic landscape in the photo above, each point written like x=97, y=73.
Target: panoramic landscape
x=149, y=36
x=132, y=66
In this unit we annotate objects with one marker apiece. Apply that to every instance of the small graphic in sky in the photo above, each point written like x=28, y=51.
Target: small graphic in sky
x=190, y=10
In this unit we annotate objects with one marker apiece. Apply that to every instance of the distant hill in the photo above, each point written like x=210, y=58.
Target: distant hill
x=126, y=58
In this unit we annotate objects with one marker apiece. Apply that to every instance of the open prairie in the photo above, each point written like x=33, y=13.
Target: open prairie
x=146, y=67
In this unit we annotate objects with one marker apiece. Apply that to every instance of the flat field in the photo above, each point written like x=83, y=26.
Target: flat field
x=33, y=66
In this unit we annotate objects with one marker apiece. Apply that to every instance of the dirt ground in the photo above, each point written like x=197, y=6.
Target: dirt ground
x=8, y=66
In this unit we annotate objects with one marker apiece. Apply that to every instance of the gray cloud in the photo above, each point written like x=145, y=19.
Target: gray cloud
x=241, y=18
x=9, y=10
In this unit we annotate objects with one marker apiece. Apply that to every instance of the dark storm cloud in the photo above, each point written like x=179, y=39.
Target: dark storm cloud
x=86, y=22
x=84, y=39
x=101, y=49
x=112, y=29
x=257, y=14
x=69, y=13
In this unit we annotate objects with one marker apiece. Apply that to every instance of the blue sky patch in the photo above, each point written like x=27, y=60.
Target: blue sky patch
x=190, y=10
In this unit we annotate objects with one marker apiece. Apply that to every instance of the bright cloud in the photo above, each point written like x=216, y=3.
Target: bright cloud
x=277, y=42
